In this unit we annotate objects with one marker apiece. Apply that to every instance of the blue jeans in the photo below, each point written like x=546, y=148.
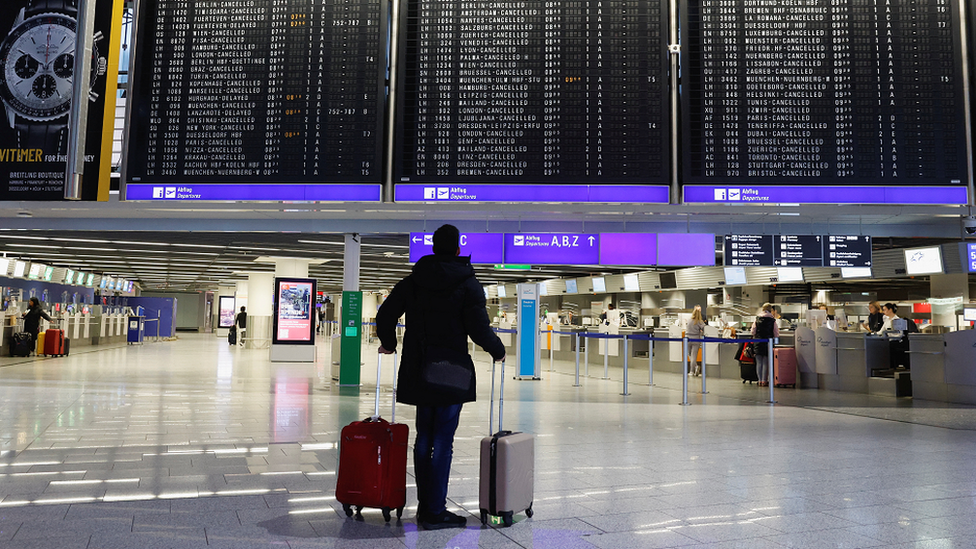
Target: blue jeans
x=762, y=367
x=432, y=454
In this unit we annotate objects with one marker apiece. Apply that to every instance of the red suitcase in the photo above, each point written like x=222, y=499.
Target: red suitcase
x=54, y=343
x=784, y=370
x=373, y=461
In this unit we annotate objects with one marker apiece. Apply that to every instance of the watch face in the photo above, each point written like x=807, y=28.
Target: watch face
x=37, y=60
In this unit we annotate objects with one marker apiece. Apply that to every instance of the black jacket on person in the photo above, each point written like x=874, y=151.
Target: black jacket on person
x=444, y=304
x=241, y=320
x=875, y=321
x=32, y=320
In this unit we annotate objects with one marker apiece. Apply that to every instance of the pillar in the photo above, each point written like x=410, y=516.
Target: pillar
x=260, y=300
x=350, y=325
x=948, y=286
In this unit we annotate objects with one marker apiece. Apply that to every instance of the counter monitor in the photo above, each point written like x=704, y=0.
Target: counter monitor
x=922, y=261
x=631, y=282
x=735, y=276
x=571, y=286
x=969, y=314
x=599, y=284
x=789, y=274
x=501, y=291
x=855, y=272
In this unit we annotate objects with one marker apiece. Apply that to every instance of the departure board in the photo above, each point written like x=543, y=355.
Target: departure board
x=533, y=91
x=258, y=91
x=823, y=92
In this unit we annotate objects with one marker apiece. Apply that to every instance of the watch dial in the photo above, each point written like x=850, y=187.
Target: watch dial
x=38, y=64
x=26, y=66
x=64, y=65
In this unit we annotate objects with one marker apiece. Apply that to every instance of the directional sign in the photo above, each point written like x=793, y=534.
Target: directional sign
x=749, y=250
x=971, y=254
x=847, y=251
x=634, y=249
x=798, y=251
x=484, y=248
x=552, y=248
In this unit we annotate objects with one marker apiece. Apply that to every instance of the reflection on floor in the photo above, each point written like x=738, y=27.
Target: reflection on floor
x=197, y=444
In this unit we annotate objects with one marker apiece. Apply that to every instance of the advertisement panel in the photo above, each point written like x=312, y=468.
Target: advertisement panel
x=37, y=58
x=227, y=308
x=293, y=310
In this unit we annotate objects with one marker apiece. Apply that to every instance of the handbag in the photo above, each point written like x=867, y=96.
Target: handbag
x=447, y=371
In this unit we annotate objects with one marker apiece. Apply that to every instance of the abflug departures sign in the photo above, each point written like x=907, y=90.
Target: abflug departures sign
x=37, y=56
x=533, y=92
x=853, y=92
x=260, y=91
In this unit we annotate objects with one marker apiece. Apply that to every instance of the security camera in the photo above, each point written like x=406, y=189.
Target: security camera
x=968, y=226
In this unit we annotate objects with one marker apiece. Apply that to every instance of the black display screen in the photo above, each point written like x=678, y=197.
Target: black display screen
x=534, y=92
x=826, y=92
x=258, y=91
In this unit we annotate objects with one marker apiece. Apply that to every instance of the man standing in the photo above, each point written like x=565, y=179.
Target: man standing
x=241, y=322
x=445, y=304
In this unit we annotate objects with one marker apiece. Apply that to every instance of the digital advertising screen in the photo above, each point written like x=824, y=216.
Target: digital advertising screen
x=228, y=310
x=294, y=311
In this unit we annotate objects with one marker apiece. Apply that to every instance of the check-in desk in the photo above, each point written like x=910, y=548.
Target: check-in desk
x=843, y=361
x=944, y=366
x=564, y=344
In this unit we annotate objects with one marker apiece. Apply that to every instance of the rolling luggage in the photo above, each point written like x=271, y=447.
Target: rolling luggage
x=67, y=346
x=784, y=366
x=39, y=344
x=21, y=344
x=54, y=343
x=232, y=335
x=507, y=466
x=373, y=461
x=747, y=365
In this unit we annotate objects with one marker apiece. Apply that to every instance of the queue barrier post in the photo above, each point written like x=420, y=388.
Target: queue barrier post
x=586, y=356
x=684, y=371
x=606, y=358
x=577, y=359
x=626, y=356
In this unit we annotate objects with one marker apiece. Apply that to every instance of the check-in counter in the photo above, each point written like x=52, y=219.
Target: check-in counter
x=944, y=366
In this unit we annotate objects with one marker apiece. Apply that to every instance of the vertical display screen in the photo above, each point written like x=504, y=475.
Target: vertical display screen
x=227, y=307
x=293, y=321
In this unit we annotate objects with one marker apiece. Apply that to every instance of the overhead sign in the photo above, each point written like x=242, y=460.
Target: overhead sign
x=971, y=254
x=749, y=250
x=637, y=249
x=798, y=251
x=484, y=248
x=847, y=251
x=552, y=248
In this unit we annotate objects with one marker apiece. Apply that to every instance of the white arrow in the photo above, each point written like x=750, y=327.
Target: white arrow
x=591, y=240
x=415, y=239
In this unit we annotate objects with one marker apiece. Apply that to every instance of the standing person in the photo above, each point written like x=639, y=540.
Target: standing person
x=695, y=330
x=444, y=304
x=241, y=322
x=32, y=318
x=875, y=317
x=764, y=328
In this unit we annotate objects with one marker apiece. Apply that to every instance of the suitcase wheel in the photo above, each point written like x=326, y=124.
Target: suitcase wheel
x=484, y=517
x=347, y=508
x=529, y=512
x=508, y=518
x=386, y=514
x=359, y=512
x=399, y=512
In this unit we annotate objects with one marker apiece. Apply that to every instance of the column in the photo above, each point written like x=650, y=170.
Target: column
x=350, y=325
x=260, y=299
x=289, y=267
x=945, y=286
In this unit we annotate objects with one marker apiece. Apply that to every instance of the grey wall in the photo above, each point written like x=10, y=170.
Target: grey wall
x=190, y=308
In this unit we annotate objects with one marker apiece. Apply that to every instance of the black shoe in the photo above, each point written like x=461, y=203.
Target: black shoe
x=445, y=519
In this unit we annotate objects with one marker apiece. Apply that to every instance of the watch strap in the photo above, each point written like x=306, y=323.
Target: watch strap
x=35, y=7
x=49, y=137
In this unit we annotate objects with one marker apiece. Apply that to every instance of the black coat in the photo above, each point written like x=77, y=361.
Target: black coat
x=444, y=304
x=32, y=320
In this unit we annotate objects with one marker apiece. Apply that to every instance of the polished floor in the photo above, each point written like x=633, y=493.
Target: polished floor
x=193, y=443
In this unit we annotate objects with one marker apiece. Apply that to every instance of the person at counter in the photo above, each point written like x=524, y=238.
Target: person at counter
x=890, y=312
x=875, y=317
x=33, y=316
x=823, y=308
x=764, y=327
x=611, y=316
x=695, y=330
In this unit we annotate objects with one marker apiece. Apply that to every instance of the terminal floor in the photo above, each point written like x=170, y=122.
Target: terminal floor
x=193, y=443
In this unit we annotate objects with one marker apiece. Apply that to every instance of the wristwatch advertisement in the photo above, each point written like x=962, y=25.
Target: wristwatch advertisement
x=37, y=62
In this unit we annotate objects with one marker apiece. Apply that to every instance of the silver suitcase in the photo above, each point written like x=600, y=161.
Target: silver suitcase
x=507, y=466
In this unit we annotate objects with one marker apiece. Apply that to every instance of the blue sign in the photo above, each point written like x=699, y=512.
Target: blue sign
x=971, y=249
x=552, y=249
x=631, y=194
x=254, y=193
x=823, y=194
x=484, y=248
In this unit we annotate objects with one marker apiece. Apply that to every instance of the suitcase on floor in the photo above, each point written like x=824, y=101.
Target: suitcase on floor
x=54, y=342
x=232, y=335
x=373, y=461
x=507, y=481
x=39, y=345
x=784, y=366
x=747, y=365
x=67, y=346
x=21, y=344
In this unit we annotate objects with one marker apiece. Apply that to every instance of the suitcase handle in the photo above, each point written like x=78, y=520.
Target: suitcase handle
x=379, y=373
x=501, y=399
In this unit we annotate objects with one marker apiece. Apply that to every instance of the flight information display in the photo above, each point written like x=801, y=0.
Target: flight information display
x=823, y=92
x=258, y=91
x=533, y=91
x=797, y=250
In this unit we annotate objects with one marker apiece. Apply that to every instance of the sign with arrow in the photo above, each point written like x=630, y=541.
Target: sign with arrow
x=484, y=248
x=552, y=248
